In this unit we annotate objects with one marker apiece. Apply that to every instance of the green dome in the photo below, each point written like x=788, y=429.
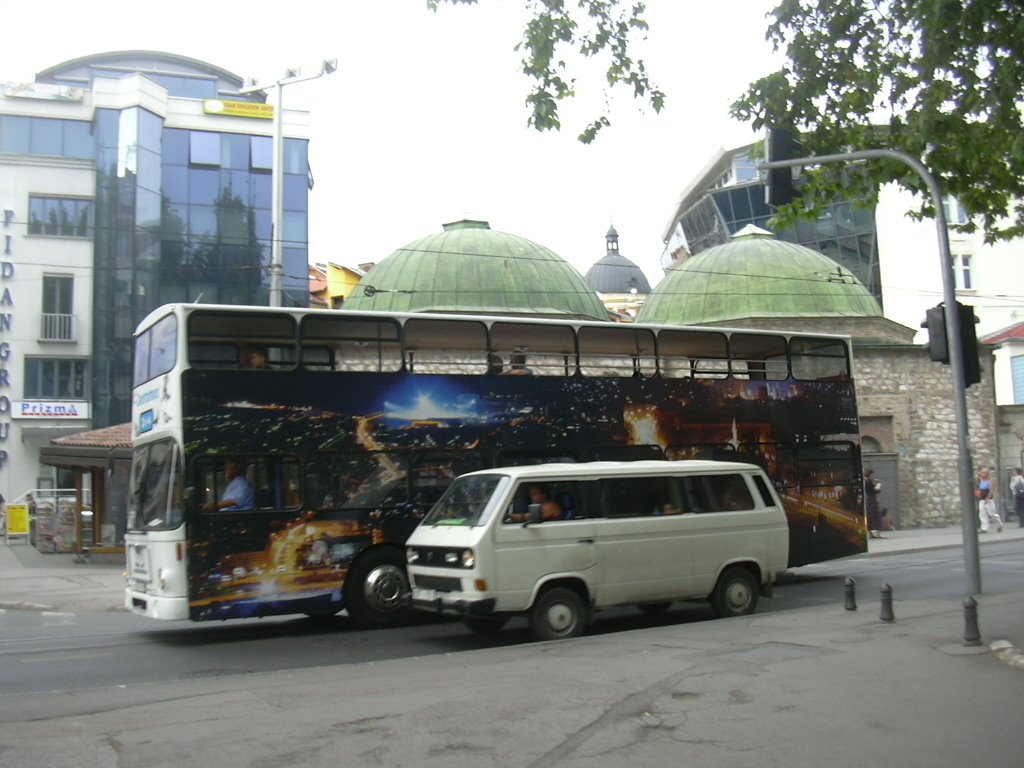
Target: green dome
x=756, y=276
x=471, y=268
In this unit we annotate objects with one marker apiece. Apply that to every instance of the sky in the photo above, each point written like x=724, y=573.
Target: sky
x=425, y=120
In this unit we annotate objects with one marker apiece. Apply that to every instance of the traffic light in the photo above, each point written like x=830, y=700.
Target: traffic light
x=938, y=340
x=937, y=346
x=781, y=144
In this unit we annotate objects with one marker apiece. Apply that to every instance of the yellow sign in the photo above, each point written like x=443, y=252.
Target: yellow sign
x=17, y=519
x=238, y=109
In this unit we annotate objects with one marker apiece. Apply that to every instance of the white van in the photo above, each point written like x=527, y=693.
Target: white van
x=559, y=541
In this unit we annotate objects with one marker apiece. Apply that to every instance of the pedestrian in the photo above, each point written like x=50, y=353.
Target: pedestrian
x=986, y=495
x=1017, y=491
x=872, y=488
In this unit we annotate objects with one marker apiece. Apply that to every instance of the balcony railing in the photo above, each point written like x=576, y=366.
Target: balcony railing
x=55, y=327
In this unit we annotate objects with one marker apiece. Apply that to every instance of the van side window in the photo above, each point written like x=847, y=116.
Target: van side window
x=762, y=488
x=718, y=493
x=559, y=500
x=640, y=497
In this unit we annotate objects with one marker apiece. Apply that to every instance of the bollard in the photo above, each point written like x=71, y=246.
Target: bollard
x=850, y=590
x=971, y=634
x=886, y=614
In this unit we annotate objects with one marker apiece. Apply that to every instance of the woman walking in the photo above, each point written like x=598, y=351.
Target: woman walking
x=872, y=488
x=986, y=494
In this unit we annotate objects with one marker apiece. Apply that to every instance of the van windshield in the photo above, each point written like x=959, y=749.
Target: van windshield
x=465, y=501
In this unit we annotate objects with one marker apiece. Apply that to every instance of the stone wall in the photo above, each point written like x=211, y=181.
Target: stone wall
x=900, y=387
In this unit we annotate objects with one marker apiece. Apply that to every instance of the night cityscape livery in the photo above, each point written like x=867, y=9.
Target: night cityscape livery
x=346, y=463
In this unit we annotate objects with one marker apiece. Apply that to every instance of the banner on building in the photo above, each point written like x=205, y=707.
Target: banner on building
x=238, y=108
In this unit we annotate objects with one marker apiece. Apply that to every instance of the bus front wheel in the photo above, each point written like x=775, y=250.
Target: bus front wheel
x=376, y=590
x=558, y=614
x=735, y=593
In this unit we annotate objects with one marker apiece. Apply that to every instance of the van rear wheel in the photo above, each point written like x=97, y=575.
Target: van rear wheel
x=558, y=613
x=735, y=593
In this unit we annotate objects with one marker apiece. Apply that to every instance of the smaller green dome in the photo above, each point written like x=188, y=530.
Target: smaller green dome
x=757, y=276
x=469, y=267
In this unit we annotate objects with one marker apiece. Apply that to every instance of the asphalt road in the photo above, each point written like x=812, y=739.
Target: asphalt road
x=45, y=652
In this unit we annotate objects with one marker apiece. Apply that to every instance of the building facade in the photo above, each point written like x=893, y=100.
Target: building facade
x=127, y=180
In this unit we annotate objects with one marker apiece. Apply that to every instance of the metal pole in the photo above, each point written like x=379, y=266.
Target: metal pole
x=276, y=196
x=966, y=474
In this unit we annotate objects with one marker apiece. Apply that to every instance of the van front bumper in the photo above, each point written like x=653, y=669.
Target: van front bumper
x=449, y=607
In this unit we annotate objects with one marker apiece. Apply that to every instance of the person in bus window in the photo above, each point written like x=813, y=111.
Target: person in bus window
x=255, y=357
x=517, y=365
x=239, y=495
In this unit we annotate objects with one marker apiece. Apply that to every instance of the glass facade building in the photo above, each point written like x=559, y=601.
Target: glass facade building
x=182, y=204
x=733, y=197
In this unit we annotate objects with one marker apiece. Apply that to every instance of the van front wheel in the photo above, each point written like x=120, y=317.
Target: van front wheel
x=557, y=614
x=735, y=593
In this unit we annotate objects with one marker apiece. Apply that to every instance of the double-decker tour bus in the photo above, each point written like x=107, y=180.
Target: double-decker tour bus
x=283, y=456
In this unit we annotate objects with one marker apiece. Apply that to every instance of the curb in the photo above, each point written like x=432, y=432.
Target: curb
x=1007, y=653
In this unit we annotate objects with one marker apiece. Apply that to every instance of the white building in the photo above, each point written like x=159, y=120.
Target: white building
x=127, y=180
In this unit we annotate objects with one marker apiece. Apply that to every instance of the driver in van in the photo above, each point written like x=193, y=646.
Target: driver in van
x=549, y=510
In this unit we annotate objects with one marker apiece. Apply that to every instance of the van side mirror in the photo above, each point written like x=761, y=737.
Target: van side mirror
x=536, y=513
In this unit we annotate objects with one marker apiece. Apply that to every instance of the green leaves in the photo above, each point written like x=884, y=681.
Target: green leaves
x=591, y=28
x=942, y=80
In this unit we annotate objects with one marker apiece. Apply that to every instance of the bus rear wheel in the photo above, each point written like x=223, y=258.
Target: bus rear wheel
x=558, y=614
x=735, y=593
x=377, y=589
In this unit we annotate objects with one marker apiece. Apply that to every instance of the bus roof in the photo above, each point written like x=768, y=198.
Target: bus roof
x=591, y=469
x=166, y=309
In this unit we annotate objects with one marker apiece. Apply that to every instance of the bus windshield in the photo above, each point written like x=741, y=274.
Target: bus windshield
x=156, y=498
x=465, y=501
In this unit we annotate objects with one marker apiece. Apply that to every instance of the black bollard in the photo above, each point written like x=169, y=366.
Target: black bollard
x=971, y=634
x=886, y=614
x=850, y=590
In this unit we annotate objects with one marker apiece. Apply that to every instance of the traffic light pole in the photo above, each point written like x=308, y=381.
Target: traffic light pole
x=953, y=336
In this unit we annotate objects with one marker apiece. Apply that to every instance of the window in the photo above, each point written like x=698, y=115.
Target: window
x=56, y=379
x=718, y=493
x=204, y=148
x=816, y=359
x=45, y=136
x=962, y=272
x=57, y=316
x=1017, y=371
x=955, y=213
x=57, y=294
x=274, y=481
x=59, y=216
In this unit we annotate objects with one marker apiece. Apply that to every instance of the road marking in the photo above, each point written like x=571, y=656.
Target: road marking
x=67, y=657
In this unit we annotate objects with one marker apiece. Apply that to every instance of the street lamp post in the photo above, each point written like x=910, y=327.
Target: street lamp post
x=277, y=173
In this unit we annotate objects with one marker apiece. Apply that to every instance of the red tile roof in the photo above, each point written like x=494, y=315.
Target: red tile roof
x=117, y=436
x=1013, y=333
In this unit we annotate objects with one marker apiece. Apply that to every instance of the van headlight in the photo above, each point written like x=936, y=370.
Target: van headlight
x=463, y=559
x=411, y=555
